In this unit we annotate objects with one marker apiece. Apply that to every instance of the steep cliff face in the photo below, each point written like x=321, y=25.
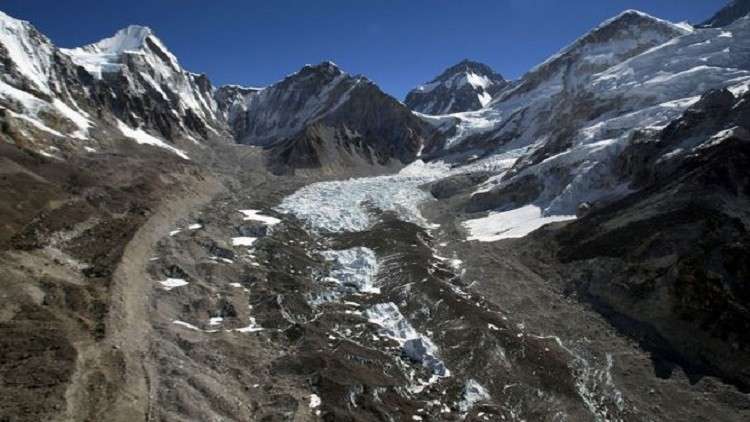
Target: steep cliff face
x=232, y=101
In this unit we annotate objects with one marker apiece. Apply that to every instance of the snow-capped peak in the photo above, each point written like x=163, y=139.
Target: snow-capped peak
x=283, y=108
x=465, y=86
x=327, y=67
x=614, y=41
x=131, y=38
x=630, y=14
x=621, y=35
x=5, y=18
x=105, y=56
x=139, y=55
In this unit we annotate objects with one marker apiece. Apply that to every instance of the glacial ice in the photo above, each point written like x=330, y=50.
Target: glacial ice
x=415, y=345
x=353, y=269
x=341, y=206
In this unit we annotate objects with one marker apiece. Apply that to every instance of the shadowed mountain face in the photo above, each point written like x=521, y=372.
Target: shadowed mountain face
x=323, y=117
x=668, y=264
x=466, y=86
x=736, y=9
x=572, y=245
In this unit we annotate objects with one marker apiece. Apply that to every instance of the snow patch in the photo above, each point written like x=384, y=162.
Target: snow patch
x=484, y=98
x=186, y=325
x=243, y=241
x=252, y=327
x=510, y=224
x=255, y=215
x=315, y=401
x=172, y=283
x=143, y=137
x=77, y=117
x=31, y=55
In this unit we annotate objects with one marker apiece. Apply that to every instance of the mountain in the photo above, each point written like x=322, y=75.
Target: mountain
x=684, y=303
x=131, y=86
x=736, y=9
x=232, y=101
x=134, y=62
x=576, y=249
x=37, y=82
x=634, y=137
x=321, y=114
x=465, y=86
x=128, y=85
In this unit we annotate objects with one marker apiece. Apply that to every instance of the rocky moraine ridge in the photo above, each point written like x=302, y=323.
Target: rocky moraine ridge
x=568, y=246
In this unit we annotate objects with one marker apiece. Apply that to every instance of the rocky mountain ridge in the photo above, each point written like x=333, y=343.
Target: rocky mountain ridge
x=131, y=86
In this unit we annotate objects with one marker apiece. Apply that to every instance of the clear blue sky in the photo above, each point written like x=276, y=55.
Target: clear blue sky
x=398, y=44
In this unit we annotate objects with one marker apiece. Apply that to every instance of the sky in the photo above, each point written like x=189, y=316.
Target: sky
x=397, y=44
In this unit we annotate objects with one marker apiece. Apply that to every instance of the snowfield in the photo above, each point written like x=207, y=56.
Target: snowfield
x=510, y=224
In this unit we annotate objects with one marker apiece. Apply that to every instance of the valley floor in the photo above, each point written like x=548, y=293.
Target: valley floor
x=241, y=295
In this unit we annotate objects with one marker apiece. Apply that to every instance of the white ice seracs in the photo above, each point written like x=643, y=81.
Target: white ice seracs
x=341, y=206
x=353, y=268
x=415, y=345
